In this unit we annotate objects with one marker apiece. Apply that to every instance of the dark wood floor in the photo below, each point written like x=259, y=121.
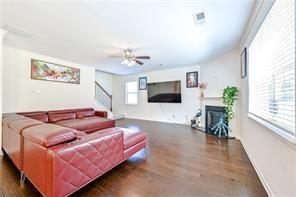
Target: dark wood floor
x=178, y=161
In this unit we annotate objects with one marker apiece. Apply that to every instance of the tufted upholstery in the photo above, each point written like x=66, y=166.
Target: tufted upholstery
x=64, y=168
x=78, y=164
x=14, y=123
x=59, y=160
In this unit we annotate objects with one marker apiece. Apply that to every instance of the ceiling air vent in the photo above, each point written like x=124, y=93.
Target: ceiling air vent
x=18, y=31
x=199, y=18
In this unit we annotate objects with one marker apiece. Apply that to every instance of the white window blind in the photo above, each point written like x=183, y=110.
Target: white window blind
x=131, y=93
x=272, y=68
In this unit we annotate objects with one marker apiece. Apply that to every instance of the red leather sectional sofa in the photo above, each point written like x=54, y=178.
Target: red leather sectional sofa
x=61, y=151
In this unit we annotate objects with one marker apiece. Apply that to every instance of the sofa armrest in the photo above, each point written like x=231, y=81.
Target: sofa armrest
x=85, y=159
x=103, y=114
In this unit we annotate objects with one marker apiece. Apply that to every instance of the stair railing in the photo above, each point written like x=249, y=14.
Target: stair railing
x=103, y=96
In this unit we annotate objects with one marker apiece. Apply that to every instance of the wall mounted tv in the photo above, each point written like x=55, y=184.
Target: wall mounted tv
x=164, y=92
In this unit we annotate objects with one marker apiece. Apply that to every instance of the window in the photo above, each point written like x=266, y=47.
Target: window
x=272, y=69
x=131, y=93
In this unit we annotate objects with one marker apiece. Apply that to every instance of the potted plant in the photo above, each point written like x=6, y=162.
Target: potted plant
x=230, y=94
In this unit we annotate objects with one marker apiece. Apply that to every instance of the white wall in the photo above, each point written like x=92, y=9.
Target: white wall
x=156, y=111
x=105, y=80
x=220, y=72
x=1, y=75
x=273, y=157
x=20, y=92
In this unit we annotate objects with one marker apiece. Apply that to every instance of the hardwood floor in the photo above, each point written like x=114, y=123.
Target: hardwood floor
x=178, y=161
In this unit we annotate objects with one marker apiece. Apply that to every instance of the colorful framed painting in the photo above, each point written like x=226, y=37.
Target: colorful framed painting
x=47, y=71
x=143, y=83
x=192, y=79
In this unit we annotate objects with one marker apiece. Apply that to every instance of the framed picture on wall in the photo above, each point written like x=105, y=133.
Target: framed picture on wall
x=192, y=79
x=143, y=83
x=47, y=71
x=244, y=63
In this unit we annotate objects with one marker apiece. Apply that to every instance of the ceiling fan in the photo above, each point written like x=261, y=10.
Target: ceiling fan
x=130, y=59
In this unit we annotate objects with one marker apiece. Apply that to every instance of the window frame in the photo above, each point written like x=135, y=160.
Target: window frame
x=285, y=135
x=127, y=93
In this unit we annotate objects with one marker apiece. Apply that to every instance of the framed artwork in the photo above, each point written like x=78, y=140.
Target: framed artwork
x=143, y=83
x=192, y=79
x=244, y=63
x=47, y=71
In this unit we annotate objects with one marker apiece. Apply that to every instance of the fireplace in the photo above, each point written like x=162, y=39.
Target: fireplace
x=212, y=117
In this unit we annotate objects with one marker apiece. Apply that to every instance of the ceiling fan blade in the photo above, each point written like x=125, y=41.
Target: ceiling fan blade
x=138, y=62
x=142, y=57
x=117, y=56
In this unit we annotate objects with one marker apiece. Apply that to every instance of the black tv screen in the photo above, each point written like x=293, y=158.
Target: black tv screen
x=164, y=92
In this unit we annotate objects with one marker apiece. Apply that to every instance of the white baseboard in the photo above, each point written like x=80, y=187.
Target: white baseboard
x=156, y=120
x=257, y=169
x=1, y=152
x=232, y=134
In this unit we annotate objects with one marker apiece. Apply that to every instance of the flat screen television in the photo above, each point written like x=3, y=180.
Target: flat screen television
x=164, y=92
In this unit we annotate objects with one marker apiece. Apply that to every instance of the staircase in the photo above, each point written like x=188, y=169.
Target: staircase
x=104, y=99
x=102, y=96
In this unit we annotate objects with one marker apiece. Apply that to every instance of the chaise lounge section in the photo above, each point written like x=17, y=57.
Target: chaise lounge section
x=59, y=157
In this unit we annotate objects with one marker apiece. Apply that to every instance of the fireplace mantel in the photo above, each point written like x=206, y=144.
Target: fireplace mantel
x=211, y=98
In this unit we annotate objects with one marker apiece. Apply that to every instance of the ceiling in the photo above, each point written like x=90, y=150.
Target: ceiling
x=89, y=31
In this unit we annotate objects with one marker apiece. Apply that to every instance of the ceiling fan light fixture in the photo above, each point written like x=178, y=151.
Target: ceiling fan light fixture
x=125, y=62
x=130, y=60
x=128, y=52
x=133, y=62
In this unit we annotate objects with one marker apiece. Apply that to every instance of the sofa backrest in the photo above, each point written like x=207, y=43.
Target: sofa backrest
x=85, y=112
x=37, y=115
x=58, y=115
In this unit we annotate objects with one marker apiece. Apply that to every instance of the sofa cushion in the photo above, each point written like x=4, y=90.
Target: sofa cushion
x=21, y=124
x=84, y=123
x=132, y=137
x=40, y=115
x=59, y=115
x=48, y=135
x=85, y=112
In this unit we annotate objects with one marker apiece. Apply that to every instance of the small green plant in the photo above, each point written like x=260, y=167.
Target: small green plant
x=230, y=94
